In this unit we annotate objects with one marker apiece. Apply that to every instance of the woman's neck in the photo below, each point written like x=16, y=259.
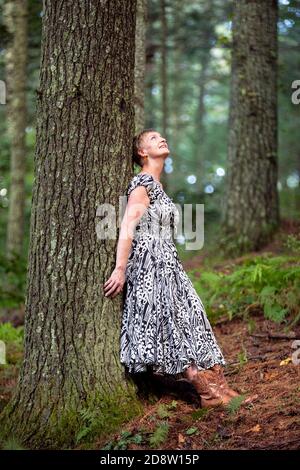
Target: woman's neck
x=153, y=172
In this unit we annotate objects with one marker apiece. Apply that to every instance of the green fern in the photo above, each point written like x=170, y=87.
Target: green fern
x=200, y=413
x=163, y=412
x=12, y=444
x=293, y=243
x=268, y=281
x=235, y=404
x=90, y=420
x=160, y=435
x=11, y=334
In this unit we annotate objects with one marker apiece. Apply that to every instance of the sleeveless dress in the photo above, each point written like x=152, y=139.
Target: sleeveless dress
x=164, y=323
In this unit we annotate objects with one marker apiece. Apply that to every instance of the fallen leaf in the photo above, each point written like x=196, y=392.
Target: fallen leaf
x=271, y=375
x=285, y=361
x=256, y=428
x=181, y=439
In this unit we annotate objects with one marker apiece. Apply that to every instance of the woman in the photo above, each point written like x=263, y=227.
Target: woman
x=164, y=323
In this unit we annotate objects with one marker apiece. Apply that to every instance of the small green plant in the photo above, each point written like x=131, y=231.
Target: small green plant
x=13, y=338
x=12, y=444
x=105, y=413
x=251, y=325
x=89, y=418
x=199, y=414
x=192, y=430
x=293, y=243
x=163, y=410
x=235, y=404
x=160, y=435
x=242, y=357
x=12, y=280
x=172, y=405
x=126, y=438
x=272, y=308
x=11, y=334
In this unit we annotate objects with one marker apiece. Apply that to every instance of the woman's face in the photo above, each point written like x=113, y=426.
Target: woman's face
x=154, y=145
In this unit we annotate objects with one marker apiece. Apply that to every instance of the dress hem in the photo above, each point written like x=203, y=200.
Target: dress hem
x=161, y=369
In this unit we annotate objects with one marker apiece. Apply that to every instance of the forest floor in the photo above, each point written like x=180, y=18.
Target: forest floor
x=259, y=360
x=258, y=363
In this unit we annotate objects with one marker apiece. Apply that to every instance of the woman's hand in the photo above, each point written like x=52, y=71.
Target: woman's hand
x=115, y=283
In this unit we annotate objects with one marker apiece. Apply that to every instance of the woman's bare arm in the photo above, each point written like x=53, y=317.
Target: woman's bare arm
x=137, y=204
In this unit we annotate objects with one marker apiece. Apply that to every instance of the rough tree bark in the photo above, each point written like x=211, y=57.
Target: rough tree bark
x=15, y=18
x=140, y=64
x=251, y=210
x=85, y=125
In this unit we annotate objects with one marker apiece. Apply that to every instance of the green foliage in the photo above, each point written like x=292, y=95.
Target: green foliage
x=235, y=404
x=200, y=413
x=13, y=339
x=163, y=410
x=110, y=412
x=192, y=430
x=293, y=243
x=11, y=334
x=269, y=283
x=12, y=281
x=160, y=435
x=89, y=419
x=126, y=438
x=251, y=325
x=242, y=357
x=12, y=444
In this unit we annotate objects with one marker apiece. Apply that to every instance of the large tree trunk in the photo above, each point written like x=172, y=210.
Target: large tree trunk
x=85, y=125
x=251, y=212
x=140, y=61
x=15, y=18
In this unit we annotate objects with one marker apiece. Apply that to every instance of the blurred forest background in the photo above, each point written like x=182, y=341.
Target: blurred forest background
x=188, y=75
x=187, y=85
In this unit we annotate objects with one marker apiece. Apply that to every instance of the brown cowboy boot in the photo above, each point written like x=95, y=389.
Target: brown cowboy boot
x=223, y=382
x=206, y=384
x=226, y=390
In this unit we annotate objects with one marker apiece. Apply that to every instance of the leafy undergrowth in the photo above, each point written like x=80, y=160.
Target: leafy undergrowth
x=262, y=283
x=11, y=356
x=266, y=282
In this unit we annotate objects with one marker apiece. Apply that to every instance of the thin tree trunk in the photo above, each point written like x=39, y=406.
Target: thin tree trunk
x=200, y=121
x=140, y=61
x=16, y=18
x=164, y=79
x=176, y=97
x=85, y=125
x=164, y=67
x=251, y=212
x=208, y=33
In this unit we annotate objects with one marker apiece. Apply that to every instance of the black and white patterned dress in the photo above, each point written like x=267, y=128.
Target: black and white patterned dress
x=164, y=323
